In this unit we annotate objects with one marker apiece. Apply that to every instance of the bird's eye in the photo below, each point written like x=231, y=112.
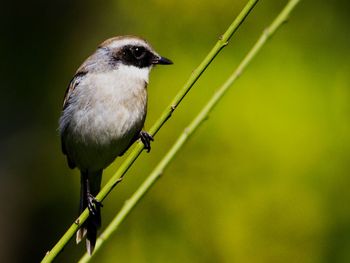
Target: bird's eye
x=138, y=52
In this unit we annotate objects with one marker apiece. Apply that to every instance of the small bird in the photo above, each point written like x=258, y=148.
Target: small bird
x=103, y=114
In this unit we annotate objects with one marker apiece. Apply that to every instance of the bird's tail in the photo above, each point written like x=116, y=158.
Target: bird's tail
x=90, y=184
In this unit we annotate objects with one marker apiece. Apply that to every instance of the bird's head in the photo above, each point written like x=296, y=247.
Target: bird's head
x=132, y=51
x=129, y=55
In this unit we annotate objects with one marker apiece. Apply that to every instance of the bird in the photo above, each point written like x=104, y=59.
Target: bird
x=103, y=114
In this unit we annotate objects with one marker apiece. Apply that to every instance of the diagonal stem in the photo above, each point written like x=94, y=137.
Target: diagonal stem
x=116, y=178
x=199, y=119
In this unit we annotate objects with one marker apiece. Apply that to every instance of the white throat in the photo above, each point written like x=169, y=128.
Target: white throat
x=132, y=72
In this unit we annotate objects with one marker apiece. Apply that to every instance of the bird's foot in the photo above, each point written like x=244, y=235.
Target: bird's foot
x=146, y=139
x=93, y=204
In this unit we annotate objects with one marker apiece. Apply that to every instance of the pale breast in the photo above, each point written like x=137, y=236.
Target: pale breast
x=106, y=112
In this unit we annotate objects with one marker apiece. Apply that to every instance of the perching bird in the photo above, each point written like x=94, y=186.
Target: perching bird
x=104, y=111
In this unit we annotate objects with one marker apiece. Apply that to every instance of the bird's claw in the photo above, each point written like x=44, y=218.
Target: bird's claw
x=146, y=139
x=93, y=204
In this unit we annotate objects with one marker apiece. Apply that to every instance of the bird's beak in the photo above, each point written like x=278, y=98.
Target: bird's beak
x=162, y=61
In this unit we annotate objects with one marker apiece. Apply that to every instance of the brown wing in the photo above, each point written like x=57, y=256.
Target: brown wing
x=86, y=67
x=69, y=91
x=72, y=84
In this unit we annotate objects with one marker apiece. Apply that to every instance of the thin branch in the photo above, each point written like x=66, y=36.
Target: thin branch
x=117, y=177
x=199, y=119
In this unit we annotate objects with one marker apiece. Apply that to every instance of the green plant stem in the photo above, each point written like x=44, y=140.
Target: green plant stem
x=117, y=177
x=199, y=119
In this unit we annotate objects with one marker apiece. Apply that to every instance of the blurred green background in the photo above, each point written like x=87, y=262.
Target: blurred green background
x=265, y=179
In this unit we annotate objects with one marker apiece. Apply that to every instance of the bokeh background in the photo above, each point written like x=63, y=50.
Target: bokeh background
x=265, y=179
